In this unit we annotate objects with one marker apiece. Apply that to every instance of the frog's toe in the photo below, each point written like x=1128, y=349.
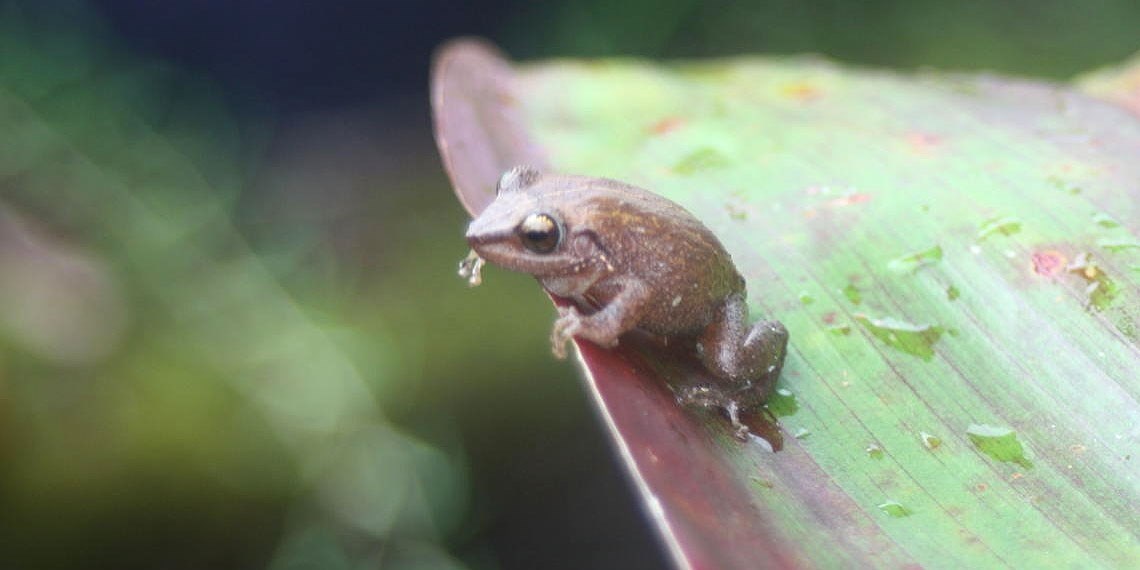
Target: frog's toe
x=565, y=328
x=558, y=345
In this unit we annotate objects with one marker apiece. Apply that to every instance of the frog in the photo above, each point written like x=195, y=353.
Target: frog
x=625, y=258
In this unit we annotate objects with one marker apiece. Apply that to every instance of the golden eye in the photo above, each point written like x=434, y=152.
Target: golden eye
x=540, y=233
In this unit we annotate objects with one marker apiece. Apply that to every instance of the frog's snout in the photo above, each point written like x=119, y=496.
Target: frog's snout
x=481, y=233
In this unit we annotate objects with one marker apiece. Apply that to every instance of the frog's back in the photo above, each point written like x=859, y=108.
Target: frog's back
x=657, y=240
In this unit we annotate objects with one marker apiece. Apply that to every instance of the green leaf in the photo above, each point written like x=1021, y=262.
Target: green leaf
x=983, y=412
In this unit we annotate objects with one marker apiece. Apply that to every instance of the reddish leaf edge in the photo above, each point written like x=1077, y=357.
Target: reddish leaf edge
x=477, y=123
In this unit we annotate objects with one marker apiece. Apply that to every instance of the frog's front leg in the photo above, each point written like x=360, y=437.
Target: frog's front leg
x=604, y=327
x=749, y=356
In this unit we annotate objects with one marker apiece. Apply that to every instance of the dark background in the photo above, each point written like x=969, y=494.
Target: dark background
x=316, y=134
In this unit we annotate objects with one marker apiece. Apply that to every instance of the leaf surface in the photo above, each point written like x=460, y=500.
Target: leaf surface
x=1119, y=84
x=954, y=257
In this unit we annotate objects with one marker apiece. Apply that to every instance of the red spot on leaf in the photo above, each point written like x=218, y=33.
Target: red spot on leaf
x=667, y=125
x=829, y=318
x=801, y=91
x=1049, y=263
x=849, y=199
x=923, y=143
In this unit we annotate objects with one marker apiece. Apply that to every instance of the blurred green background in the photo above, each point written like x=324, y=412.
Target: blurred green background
x=231, y=333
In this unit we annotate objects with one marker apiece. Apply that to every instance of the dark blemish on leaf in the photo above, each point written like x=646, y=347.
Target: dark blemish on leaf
x=911, y=262
x=914, y=339
x=1005, y=225
x=782, y=403
x=929, y=441
x=999, y=443
x=1105, y=221
x=838, y=329
x=1060, y=184
x=700, y=159
x=761, y=482
x=1048, y=263
x=895, y=509
x=1101, y=289
x=952, y=293
x=1118, y=244
x=806, y=298
x=874, y=451
x=851, y=291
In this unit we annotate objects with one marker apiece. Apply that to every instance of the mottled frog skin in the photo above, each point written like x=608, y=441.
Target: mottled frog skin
x=628, y=258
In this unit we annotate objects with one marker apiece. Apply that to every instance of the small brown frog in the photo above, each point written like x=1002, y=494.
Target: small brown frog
x=628, y=258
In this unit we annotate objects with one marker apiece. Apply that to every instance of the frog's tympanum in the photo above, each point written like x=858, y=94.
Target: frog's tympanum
x=628, y=259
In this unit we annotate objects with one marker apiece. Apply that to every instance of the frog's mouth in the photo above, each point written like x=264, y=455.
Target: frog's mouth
x=507, y=251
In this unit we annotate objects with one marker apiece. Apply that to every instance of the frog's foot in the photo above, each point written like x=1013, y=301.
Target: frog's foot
x=740, y=431
x=599, y=328
x=711, y=396
x=568, y=324
x=471, y=269
x=735, y=351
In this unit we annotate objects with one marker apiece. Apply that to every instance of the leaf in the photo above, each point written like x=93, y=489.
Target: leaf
x=476, y=108
x=976, y=408
x=1119, y=84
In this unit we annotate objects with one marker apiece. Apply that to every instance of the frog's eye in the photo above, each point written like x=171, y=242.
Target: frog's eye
x=540, y=233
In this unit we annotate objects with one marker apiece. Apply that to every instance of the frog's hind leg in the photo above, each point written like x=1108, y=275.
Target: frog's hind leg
x=749, y=356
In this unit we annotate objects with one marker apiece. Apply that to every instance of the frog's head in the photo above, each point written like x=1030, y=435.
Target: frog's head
x=520, y=230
